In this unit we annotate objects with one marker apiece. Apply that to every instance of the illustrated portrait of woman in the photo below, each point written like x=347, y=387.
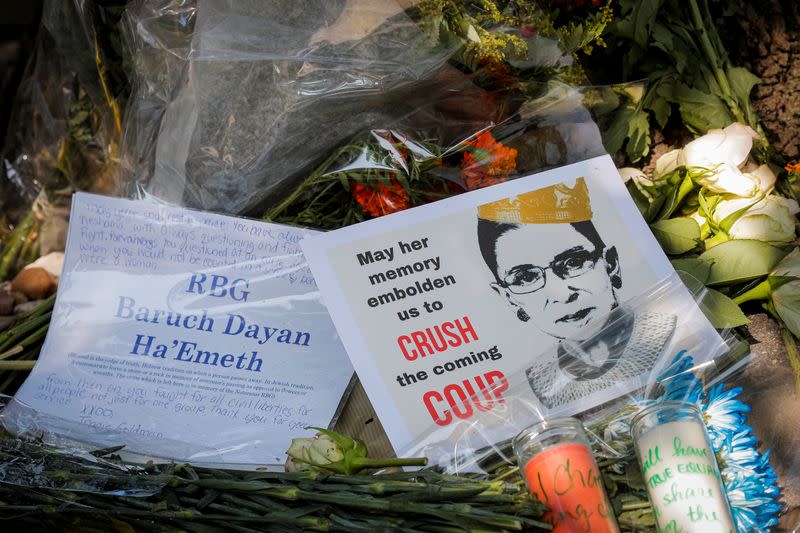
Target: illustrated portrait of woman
x=557, y=274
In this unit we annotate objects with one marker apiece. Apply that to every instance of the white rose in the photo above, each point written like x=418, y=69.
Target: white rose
x=770, y=220
x=729, y=146
x=317, y=450
x=667, y=162
x=723, y=153
x=725, y=179
x=630, y=173
x=765, y=178
x=699, y=218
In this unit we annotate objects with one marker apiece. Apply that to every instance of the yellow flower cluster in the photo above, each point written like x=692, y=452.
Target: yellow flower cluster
x=495, y=44
x=496, y=47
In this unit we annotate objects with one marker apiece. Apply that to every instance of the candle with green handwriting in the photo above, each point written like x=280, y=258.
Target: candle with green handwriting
x=680, y=470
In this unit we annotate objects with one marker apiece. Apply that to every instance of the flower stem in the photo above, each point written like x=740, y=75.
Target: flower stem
x=634, y=506
x=309, y=181
x=16, y=365
x=360, y=463
x=715, y=62
x=762, y=291
x=14, y=244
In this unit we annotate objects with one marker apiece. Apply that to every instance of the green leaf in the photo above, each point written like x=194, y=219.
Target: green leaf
x=694, y=266
x=778, y=281
x=639, y=136
x=675, y=196
x=707, y=206
x=740, y=260
x=645, y=15
x=742, y=83
x=642, y=202
x=673, y=46
x=789, y=266
x=660, y=108
x=720, y=310
x=655, y=207
x=727, y=223
x=786, y=301
x=647, y=207
x=614, y=136
x=700, y=110
x=677, y=235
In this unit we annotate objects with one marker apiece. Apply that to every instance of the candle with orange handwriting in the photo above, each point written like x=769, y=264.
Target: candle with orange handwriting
x=559, y=469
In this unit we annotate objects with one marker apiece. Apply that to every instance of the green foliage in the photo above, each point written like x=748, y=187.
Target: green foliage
x=485, y=31
x=740, y=261
x=720, y=310
x=694, y=266
x=700, y=110
x=676, y=48
x=677, y=235
x=786, y=302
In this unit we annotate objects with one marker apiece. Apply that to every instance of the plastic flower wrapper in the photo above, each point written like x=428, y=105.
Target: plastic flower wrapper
x=266, y=91
x=65, y=128
x=720, y=378
x=234, y=106
x=386, y=171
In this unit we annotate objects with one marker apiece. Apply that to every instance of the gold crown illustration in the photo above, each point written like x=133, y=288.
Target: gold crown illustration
x=556, y=204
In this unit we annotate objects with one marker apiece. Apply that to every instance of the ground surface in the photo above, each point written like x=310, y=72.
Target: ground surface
x=770, y=390
x=764, y=37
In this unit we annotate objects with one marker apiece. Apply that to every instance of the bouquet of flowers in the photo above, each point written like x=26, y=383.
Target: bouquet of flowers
x=718, y=213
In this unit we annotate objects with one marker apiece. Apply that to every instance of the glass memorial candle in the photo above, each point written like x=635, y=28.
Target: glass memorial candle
x=680, y=469
x=559, y=469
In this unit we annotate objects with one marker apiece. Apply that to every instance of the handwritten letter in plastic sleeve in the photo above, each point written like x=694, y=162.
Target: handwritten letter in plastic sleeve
x=184, y=335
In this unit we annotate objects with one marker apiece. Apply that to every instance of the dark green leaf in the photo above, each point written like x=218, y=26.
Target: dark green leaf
x=655, y=207
x=642, y=202
x=777, y=281
x=740, y=260
x=672, y=45
x=693, y=266
x=786, y=301
x=789, y=266
x=616, y=133
x=343, y=180
x=677, y=235
x=742, y=82
x=674, y=197
x=699, y=110
x=639, y=136
x=720, y=310
x=645, y=15
x=660, y=108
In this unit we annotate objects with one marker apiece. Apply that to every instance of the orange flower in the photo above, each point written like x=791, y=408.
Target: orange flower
x=381, y=199
x=794, y=166
x=488, y=162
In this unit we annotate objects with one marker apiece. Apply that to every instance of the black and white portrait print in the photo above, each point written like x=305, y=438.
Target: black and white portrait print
x=556, y=273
